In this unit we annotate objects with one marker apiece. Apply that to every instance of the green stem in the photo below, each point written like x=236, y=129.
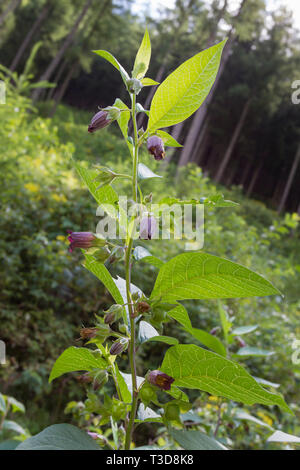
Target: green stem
x=132, y=351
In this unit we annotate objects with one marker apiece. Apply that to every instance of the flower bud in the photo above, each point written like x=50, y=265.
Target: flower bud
x=113, y=313
x=148, y=227
x=135, y=295
x=118, y=347
x=103, y=118
x=88, y=333
x=105, y=176
x=134, y=85
x=142, y=307
x=215, y=330
x=100, y=379
x=148, y=198
x=240, y=341
x=99, y=121
x=155, y=146
x=161, y=380
x=81, y=240
x=85, y=378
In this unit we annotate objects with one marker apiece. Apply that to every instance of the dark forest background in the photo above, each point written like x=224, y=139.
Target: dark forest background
x=243, y=142
x=247, y=132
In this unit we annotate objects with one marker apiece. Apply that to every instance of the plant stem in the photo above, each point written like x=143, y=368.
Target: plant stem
x=132, y=351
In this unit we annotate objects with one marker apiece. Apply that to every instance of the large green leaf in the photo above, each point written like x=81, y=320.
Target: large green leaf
x=181, y=94
x=244, y=416
x=142, y=59
x=204, y=276
x=180, y=314
x=110, y=58
x=210, y=341
x=163, y=339
x=196, y=368
x=195, y=440
x=283, y=437
x=105, y=196
x=125, y=393
x=144, y=172
x=251, y=351
x=102, y=273
x=76, y=359
x=123, y=121
x=146, y=331
x=2, y=404
x=9, y=444
x=167, y=139
x=243, y=330
x=60, y=437
x=9, y=425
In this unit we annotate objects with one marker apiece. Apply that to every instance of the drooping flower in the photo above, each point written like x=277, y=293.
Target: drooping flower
x=99, y=121
x=143, y=307
x=155, y=146
x=119, y=346
x=103, y=118
x=160, y=379
x=88, y=333
x=148, y=227
x=81, y=240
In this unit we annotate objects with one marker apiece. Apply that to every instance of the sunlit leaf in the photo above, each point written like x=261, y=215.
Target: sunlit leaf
x=142, y=59
x=76, y=359
x=181, y=94
x=196, y=368
x=110, y=58
x=196, y=440
x=203, y=276
x=60, y=437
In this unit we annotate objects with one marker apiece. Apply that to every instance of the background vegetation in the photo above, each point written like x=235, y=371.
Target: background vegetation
x=245, y=139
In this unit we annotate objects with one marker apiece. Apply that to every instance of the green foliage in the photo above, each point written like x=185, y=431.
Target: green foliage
x=75, y=359
x=203, y=276
x=194, y=367
x=181, y=94
x=142, y=59
x=53, y=278
x=60, y=437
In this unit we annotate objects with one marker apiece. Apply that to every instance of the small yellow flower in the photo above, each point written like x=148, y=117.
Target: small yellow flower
x=266, y=419
x=59, y=197
x=213, y=398
x=32, y=187
x=61, y=238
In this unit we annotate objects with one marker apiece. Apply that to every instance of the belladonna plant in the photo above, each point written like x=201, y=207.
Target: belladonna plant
x=135, y=319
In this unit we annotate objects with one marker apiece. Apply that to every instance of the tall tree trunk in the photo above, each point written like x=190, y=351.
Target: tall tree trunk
x=233, y=142
x=56, y=78
x=12, y=6
x=27, y=40
x=62, y=89
x=289, y=180
x=59, y=94
x=254, y=179
x=197, y=154
x=68, y=41
x=201, y=114
x=245, y=173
